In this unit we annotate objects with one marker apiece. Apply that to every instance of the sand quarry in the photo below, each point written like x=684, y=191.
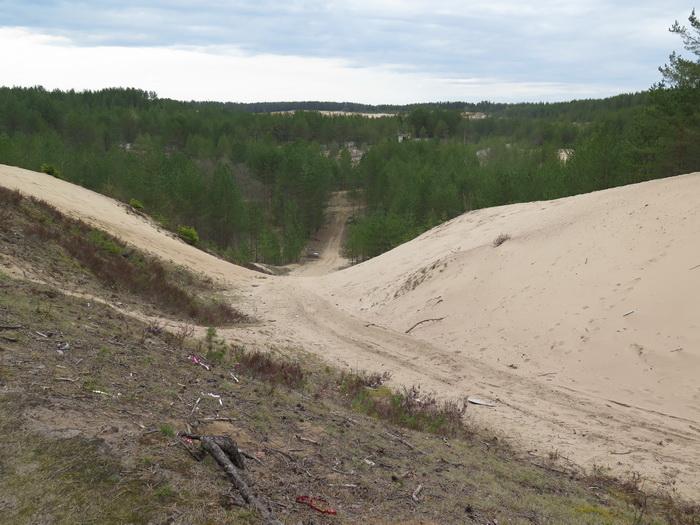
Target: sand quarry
x=582, y=328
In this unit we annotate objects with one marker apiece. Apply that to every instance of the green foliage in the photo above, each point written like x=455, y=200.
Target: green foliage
x=216, y=347
x=104, y=242
x=167, y=430
x=253, y=186
x=136, y=204
x=188, y=234
x=681, y=72
x=165, y=492
x=52, y=170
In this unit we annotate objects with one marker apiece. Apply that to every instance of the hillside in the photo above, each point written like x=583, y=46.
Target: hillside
x=600, y=290
x=643, y=421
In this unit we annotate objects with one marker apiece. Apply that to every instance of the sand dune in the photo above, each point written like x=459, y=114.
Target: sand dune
x=600, y=291
x=583, y=327
x=113, y=216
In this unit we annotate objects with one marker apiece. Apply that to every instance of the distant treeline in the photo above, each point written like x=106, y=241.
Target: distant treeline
x=583, y=108
x=527, y=152
x=254, y=184
x=413, y=186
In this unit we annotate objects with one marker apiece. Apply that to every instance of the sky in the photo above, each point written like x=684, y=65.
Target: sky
x=369, y=51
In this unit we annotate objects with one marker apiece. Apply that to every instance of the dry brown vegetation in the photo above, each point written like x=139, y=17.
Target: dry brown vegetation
x=114, y=264
x=90, y=403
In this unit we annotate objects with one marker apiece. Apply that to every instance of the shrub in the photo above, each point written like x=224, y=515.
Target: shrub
x=52, y=170
x=352, y=383
x=167, y=430
x=105, y=242
x=411, y=408
x=500, y=239
x=136, y=204
x=188, y=234
x=271, y=369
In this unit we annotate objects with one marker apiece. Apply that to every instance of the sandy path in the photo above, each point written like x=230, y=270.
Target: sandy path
x=330, y=239
x=590, y=400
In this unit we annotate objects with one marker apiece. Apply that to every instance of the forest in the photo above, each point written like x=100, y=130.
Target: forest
x=251, y=184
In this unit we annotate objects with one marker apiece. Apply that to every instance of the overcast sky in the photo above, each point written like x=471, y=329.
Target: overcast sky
x=373, y=51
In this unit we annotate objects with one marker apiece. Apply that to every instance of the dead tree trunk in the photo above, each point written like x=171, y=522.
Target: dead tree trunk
x=225, y=451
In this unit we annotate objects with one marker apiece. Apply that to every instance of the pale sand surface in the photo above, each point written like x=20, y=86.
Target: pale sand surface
x=596, y=385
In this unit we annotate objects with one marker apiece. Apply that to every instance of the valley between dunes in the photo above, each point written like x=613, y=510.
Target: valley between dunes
x=582, y=328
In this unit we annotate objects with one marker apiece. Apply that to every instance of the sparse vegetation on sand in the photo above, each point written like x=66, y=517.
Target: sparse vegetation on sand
x=89, y=412
x=70, y=242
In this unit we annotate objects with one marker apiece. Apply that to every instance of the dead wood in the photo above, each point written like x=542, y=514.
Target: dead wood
x=403, y=441
x=305, y=439
x=226, y=453
x=208, y=419
x=421, y=322
x=416, y=493
x=10, y=327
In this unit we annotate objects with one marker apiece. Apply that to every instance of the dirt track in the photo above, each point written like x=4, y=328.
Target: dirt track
x=326, y=316
x=329, y=240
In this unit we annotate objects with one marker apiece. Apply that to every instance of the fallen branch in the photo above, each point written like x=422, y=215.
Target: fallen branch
x=225, y=451
x=194, y=407
x=10, y=327
x=306, y=440
x=9, y=339
x=402, y=440
x=416, y=493
x=318, y=504
x=281, y=452
x=421, y=322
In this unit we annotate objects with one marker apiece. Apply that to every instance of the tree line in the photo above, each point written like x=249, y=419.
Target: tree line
x=253, y=185
x=529, y=152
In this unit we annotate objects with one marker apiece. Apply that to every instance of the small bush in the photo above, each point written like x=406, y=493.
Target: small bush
x=352, y=383
x=136, y=204
x=105, y=242
x=167, y=430
x=52, y=170
x=165, y=492
x=216, y=347
x=500, y=239
x=11, y=197
x=410, y=408
x=188, y=234
x=271, y=369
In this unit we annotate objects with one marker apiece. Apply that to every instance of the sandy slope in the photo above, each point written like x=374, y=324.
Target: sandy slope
x=112, y=216
x=598, y=386
x=600, y=290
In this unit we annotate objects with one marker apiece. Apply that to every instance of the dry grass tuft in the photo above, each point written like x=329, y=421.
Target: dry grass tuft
x=269, y=368
x=500, y=239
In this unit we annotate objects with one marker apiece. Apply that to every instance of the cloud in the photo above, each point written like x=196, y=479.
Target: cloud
x=592, y=45
x=228, y=73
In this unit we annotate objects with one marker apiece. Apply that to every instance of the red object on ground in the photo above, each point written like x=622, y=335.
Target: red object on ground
x=314, y=504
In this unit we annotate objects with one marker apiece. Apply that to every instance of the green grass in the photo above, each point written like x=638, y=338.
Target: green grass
x=167, y=430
